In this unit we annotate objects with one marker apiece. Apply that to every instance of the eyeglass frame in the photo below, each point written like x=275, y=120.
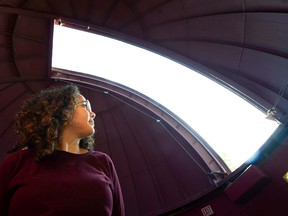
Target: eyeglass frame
x=86, y=104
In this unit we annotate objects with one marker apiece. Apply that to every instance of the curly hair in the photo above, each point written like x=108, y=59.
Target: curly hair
x=43, y=117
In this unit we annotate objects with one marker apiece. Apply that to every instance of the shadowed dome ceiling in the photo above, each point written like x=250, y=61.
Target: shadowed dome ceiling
x=161, y=164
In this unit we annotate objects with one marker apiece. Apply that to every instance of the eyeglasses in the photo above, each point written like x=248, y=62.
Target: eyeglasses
x=86, y=104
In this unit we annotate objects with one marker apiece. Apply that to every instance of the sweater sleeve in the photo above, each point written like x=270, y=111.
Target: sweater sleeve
x=8, y=169
x=118, y=203
x=3, y=195
x=5, y=172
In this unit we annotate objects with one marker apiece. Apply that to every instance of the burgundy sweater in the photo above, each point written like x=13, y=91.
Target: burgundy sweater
x=63, y=184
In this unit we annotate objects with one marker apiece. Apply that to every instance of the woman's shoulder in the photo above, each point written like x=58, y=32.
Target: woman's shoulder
x=14, y=161
x=100, y=155
x=102, y=158
x=18, y=157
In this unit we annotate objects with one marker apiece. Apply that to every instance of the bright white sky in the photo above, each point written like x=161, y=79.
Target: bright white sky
x=233, y=127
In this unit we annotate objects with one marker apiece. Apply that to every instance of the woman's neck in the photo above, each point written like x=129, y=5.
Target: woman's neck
x=71, y=145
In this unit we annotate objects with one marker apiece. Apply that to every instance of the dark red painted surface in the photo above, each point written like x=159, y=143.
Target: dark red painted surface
x=240, y=43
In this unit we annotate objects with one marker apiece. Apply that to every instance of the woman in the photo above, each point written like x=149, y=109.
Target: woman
x=56, y=172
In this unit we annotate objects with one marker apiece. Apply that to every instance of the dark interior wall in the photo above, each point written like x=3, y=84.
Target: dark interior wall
x=270, y=199
x=247, y=50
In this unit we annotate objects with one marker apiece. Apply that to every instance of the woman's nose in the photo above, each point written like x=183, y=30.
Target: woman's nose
x=92, y=114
